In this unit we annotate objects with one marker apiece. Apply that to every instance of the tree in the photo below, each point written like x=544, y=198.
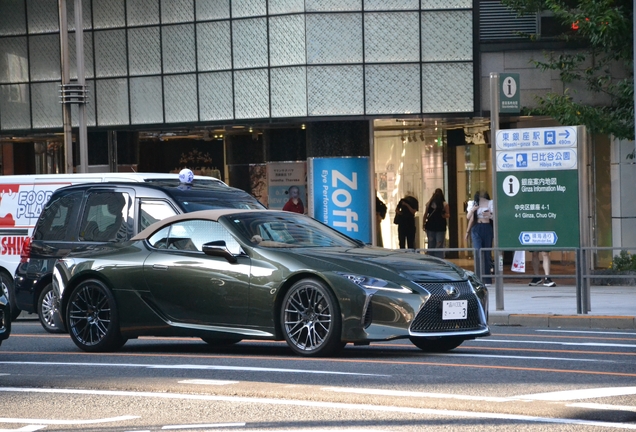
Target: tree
x=604, y=64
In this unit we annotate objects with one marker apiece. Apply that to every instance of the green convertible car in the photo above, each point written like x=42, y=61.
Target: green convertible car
x=228, y=275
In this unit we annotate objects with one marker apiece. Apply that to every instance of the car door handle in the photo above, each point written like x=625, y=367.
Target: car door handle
x=160, y=267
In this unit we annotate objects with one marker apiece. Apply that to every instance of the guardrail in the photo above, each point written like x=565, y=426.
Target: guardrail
x=585, y=273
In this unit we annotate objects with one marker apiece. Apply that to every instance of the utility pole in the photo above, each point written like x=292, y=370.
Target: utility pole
x=66, y=79
x=81, y=84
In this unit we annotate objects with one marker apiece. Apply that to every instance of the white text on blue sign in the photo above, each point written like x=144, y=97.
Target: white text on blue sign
x=537, y=160
x=538, y=238
x=536, y=138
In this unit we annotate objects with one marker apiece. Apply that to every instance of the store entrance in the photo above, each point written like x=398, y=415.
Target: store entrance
x=417, y=156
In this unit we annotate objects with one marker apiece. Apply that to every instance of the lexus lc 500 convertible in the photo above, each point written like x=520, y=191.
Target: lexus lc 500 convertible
x=228, y=275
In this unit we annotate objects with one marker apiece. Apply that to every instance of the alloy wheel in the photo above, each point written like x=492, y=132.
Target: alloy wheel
x=310, y=321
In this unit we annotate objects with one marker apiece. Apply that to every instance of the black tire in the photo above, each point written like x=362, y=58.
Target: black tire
x=310, y=319
x=92, y=319
x=221, y=341
x=436, y=345
x=46, y=307
x=7, y=288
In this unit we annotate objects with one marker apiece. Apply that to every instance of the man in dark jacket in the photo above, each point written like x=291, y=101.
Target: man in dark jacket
x=405, y=220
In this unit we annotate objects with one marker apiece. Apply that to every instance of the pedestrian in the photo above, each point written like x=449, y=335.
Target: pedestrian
x=294, y=204
x=405, y=220
x=380, y=214
x=435, y=214
x=545, y=257
x=480, y=213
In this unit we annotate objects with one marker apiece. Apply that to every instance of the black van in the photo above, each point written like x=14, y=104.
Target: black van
x=89, y=214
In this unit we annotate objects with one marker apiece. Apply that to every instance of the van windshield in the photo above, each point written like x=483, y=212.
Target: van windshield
x=191, y=205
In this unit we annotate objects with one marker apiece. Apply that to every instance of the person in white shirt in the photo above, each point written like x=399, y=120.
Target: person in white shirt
x=480, y=213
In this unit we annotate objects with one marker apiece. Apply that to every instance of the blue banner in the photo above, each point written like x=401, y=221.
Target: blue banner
x=340, y=195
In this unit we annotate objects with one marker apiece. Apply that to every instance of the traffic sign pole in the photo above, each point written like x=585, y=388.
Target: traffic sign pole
x=494, y=127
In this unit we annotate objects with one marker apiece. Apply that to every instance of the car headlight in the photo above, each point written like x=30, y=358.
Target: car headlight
x=372, y=283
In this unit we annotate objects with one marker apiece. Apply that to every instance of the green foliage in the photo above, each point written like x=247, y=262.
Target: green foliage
x=624, y=261
x=604, y=66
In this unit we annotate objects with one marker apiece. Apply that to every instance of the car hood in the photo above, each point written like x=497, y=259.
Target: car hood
x=375, y=262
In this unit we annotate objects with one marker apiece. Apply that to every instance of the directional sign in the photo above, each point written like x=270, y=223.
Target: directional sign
x=537, y=187
x=532, y=238
x=536, y=138
x=533, y=160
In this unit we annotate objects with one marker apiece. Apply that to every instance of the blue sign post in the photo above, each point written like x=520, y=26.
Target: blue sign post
x=340, y=194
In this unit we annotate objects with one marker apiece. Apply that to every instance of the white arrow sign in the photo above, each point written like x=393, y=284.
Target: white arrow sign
x=536, y=138
x=537, y=160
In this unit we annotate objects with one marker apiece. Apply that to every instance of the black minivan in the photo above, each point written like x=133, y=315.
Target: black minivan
x=82, y=216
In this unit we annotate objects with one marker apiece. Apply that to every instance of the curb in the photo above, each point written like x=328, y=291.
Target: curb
x=562, y=321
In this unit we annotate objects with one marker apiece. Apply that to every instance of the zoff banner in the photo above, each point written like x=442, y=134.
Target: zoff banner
x=340, y=194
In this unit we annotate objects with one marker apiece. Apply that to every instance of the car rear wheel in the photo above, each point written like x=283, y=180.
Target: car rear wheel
x=47, y=306
x=7, y=290
x=310, y=319
x=434, y=345
x=92, y=318
x=220, y=341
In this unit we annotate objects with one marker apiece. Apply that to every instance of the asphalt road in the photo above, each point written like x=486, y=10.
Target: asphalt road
x=519, y=378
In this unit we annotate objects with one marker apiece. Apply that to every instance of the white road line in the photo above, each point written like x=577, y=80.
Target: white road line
x=522, y=357
x=67, y=422
x=560, y=396
x=193, y=367
x=201, y=426
x=587, y=332
x=29, y=428
x=207, y=382
x=589, y=393
x=588, y=344
x=331, y=405
x=602, y=406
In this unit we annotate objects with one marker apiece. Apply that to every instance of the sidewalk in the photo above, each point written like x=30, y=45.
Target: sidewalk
x=612, y=307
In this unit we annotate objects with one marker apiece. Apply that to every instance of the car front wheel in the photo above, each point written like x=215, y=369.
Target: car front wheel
x=310, y=318
x=91, y=317
x=436, y=345
x=47, y=306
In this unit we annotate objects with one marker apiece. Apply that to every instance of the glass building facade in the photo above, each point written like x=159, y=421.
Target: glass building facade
x=174, y=62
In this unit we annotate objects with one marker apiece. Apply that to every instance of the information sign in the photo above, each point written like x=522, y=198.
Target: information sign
x=537, y=187
x=509, y=93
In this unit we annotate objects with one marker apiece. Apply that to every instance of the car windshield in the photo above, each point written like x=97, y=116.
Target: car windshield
x=286, y=230
x=192, y=205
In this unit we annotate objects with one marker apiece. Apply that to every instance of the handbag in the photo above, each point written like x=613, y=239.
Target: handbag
x=519, y=262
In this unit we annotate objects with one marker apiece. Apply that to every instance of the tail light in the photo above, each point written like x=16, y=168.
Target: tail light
x=25, y=254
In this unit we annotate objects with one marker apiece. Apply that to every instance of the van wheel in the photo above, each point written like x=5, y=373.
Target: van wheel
x=7, y=289
x=47, y=306
x=92, y=318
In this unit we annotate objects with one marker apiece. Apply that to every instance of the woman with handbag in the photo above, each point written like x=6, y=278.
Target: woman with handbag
x=436, y=213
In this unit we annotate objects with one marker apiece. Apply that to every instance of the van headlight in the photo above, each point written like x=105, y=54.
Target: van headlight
x=372, y=283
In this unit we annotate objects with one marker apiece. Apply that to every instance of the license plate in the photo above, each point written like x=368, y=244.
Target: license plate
x=455, y=309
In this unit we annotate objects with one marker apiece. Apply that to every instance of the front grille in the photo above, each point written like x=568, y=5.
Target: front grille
x=429, y=318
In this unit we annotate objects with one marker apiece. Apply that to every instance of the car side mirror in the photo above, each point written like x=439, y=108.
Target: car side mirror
x=219, y=248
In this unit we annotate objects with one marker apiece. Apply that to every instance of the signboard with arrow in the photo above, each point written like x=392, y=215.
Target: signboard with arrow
x=537, y=191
